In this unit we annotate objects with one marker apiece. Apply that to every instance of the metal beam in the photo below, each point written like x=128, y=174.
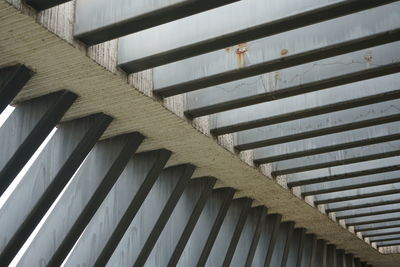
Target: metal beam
x=57, y=163
x=321, y=254
x=81, y=199
x=305, y=78
x=331, y=123
x=352, y=194
x=343, y=172
x=309, y=250
x=308, y=105
x=12, y=80
x=331, y=257
x=25, y=130
x=363, y=203
x=328, y=143
x=346, y=34
x=340, y=258
x=97, y=21
x=227, y=26
x=351, y=183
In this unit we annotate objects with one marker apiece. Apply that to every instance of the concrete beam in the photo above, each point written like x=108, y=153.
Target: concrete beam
x=363, y=203
x=307, y=105
x=336, y=122
x=386, y=209
x=310, y=77
x=352, y=194
x=97, y=21
x=343, y=172
x=351, y=183
x=342, y=157
x=80, y=201
x=25, y=130
x=346, y=34
x=45, y=180
x=12, y=80
x=227, y=26
x=327, y=143
x=368, y=220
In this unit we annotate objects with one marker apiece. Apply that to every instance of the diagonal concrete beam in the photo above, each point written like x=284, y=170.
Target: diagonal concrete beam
x=229, y=25
x=307, y=105
x=305, y=78
x=343, y=172
x=335, y=122
x=98, y=21
x=346, y=35
x=327, y=143
x=342, y=157
x=351, y=183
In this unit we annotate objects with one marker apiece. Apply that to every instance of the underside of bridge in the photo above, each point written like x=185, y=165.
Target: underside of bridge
x=200, y=133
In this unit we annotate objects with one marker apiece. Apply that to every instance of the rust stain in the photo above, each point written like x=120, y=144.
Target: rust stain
x=228, y=49
x=240, y=53
x=277, y=77
x=284, y=52
x=368, y=58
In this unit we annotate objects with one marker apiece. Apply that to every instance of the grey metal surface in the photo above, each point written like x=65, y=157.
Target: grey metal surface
x=384, y=229
x=296, y=247
x=281, y=249
x=98, y=21
x=308, y=105
x=373, y=219
x=318, y=75
x=332, y=38
x=227, y=26
x=345, y=171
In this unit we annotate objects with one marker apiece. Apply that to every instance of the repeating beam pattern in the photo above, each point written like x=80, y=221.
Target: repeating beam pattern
x=322, y=110
x=86, y=201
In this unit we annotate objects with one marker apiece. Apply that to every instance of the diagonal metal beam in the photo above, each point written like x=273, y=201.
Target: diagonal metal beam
x=262, y=212
x=306, y=78
x=351, y=183
x=343, y=172
x=97, y=21
x=388, y=243
x=384, y=238
x=380, y=229
x=230, y=25
x=272, y=53
x=12, y=80
x=308, y=105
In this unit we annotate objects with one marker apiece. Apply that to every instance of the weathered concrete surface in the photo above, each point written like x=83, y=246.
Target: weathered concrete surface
x=60, y=65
